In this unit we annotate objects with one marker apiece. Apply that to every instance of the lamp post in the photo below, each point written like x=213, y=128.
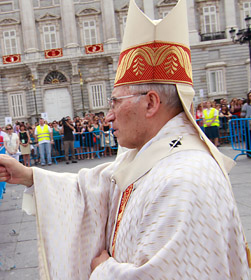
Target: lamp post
x=81, y=89
x=34, y=94
x=243, y=36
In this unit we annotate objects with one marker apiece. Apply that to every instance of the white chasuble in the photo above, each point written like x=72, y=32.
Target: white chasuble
x=180, y=221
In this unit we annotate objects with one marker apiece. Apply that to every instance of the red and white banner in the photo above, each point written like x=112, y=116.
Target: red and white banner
x=53, y=53
x=13, y=58
x=94, y=48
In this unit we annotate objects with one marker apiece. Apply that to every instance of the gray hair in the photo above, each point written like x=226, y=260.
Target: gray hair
x=167, y=92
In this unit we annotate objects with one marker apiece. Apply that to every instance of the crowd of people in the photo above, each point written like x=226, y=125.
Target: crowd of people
x=77, y=139
x=92, y=136
x=214, y=117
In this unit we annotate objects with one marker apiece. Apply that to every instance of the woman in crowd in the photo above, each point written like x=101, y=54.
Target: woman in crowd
x=33, y=146
x=225, y=116
x=199, y=115
x=79, y=130
x=57, y=138
x=107, y=140
x=246, y=113
x=24, y=138
x=89, y=144
x=11, y=142
x=96, y=133
x=235, y=107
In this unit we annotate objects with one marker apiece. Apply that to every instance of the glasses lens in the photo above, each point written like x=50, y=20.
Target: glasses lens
x=109, y=102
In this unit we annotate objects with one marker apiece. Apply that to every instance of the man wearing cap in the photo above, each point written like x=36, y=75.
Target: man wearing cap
x=164, y=209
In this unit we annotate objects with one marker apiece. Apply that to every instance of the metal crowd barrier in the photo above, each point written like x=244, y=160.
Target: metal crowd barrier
x=2, y=184
x=86, y=143
x=240, y=135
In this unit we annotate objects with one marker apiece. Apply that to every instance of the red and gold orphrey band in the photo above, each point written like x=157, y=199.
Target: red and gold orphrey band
x=123, y=202
x=159, y=62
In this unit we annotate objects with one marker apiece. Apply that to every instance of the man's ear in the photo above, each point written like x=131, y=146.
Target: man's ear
x=153, y=103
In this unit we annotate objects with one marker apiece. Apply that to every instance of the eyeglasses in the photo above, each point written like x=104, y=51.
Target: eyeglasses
x=113, y=99
x=8, y=128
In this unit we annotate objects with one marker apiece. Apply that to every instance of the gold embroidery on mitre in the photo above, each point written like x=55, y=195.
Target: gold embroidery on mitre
x=176, y=56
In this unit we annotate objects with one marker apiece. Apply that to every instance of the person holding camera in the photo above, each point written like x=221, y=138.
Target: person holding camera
x=68, y=130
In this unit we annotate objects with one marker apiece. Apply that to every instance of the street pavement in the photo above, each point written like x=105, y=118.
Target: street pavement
x=18, y=238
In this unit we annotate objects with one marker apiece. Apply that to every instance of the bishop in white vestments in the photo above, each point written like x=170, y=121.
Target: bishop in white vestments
x=164, y=209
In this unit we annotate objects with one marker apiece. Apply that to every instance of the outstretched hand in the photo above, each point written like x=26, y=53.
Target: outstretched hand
x=13, y=172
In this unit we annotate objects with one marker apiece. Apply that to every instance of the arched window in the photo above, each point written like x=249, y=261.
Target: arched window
x=55, y=77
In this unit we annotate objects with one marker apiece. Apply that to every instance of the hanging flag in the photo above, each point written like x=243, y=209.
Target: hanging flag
x=12, y=58
x=94, y=48
x=53, y=53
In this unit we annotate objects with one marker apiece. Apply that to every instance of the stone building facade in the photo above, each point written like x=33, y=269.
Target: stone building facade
x=60, y=56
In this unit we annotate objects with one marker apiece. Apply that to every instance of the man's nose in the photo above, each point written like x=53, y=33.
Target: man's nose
x=110, y=116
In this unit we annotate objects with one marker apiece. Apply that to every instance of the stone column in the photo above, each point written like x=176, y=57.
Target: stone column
x=193, y=32
x=149, y=8
x=230, y=15
x=69, y=24
x=108, y=19
x=28, y=26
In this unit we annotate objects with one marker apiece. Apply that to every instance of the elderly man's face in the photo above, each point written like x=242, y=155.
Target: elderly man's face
x=127, y=116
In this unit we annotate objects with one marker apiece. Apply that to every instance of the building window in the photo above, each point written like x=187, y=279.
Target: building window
x=45, y=3
x=17, y=105
x=124, y=18
x=216, y=82
x=6, y=7
x=90, y=32
x=246, y=11
x=97, y=96
x=55, y=77
x=50, y=37
x=10, y=42
x=210, y=22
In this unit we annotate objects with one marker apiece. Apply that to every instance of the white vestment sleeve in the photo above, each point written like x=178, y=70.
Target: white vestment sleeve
x=72, y=212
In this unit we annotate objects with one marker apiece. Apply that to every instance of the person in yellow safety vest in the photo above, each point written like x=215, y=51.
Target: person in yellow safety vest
x=44, y=139
x=211, y=123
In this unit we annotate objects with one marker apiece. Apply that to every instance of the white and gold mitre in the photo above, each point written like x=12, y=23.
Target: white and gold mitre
x=155, y=51
x=158, y=52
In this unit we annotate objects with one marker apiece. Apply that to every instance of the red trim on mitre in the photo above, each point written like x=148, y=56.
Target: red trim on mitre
x=156, y=62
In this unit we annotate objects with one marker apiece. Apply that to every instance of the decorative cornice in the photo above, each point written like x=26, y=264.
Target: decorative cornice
x=216, y=64
x=48, y=16
x=9, y=21
x=201, y=1
x=87, y=12
x=123, y=9
x=164, y=3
